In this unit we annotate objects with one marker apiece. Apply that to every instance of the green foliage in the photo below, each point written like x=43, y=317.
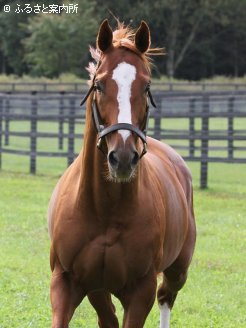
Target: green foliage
x=59, y=43
x=192, y=33
x=202, y=38
x=11, y=34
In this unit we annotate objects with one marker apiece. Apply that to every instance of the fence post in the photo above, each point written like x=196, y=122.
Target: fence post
x=1, y=129
x=33, y=134
x=170, y=86
x=204, y=143
x=71, y=129
x=192, y=127
x=7, y=120
x=61, y=120
x=157, y=118
x=230, y=127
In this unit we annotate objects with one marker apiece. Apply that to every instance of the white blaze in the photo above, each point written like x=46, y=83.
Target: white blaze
x=164, y=316
x=124, y=74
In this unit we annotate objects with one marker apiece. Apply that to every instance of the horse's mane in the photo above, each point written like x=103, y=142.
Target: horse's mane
x=123, y=37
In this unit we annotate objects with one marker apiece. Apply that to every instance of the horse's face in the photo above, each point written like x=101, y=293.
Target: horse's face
x=122, y=82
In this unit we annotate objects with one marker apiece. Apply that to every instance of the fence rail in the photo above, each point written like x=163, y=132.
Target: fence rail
x=203, y=126
x=77, y=87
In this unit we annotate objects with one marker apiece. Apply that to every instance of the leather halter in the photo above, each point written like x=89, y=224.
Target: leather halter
x=104, y=131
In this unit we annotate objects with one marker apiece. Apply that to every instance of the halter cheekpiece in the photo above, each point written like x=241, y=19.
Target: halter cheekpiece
x=103, y=131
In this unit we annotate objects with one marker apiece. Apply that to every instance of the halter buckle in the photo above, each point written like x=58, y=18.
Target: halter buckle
x=99, y=142
x=144, y=151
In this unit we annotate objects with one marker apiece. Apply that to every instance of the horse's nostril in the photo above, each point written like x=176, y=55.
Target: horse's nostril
x=135, y=158
x=113, y=158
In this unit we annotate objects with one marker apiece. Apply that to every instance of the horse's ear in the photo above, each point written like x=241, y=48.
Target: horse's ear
x=142, y=37
x=105, y=36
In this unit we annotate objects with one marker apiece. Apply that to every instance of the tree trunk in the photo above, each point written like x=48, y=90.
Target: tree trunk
x=172, y=40
x=174, y=59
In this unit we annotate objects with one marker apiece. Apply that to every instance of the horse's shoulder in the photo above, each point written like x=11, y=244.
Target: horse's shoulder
x=163, y=150
x=168, y=156
x=65, y=188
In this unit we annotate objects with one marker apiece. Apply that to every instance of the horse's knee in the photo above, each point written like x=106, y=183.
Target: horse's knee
x=173, y=281
x=164, y=295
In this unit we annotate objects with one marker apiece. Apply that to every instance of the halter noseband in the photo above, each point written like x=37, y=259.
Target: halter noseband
x=103, y=132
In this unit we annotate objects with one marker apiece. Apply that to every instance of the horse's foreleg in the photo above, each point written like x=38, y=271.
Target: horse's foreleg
x=65, y=297
x=175, y=277
x=167, y=294
x=137, y=300
x=102, y=303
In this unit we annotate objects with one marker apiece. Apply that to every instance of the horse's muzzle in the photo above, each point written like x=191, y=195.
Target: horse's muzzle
x=122, y=164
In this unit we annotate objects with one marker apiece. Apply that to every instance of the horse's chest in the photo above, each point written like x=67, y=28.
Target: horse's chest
x=110, y=260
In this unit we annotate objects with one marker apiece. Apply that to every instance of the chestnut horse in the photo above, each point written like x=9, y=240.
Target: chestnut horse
x=121, y=214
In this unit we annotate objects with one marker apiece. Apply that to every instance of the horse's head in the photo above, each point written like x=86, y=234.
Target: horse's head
x=120, y=106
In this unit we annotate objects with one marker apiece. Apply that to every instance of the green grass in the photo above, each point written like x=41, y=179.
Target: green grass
x=63, y=78
x=214, y=295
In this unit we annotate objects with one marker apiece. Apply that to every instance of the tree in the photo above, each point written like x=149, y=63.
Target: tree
x=11, y=34
x=219, y=45
x=174, y=24
x=201, y=37
x=59, y=43
x=231, y=45
x=177, y=24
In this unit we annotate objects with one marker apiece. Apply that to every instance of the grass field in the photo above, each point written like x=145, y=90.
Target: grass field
x=214, y=295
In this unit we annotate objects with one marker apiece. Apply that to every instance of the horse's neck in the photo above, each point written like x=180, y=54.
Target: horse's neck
x=95, y=189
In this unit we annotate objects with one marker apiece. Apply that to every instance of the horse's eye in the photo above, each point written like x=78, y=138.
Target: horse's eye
x=98, y=86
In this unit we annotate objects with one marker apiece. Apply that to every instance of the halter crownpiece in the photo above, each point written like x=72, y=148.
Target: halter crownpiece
x=104, y=131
